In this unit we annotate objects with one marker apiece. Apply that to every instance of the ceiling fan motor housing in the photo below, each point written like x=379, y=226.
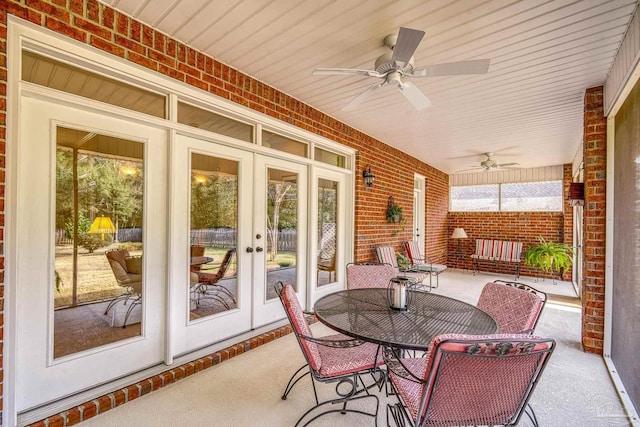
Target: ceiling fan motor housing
x=488, y=164
x=384, y=64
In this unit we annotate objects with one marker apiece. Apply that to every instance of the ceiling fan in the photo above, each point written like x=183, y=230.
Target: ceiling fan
x=490, y=165
x=394, y=67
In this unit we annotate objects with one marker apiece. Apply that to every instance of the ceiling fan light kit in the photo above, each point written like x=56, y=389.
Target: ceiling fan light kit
x=394, y=67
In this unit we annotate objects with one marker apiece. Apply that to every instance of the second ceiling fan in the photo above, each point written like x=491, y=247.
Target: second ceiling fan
x=393, y=67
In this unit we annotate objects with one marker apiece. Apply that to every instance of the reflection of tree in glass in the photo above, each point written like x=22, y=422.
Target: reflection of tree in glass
x=281, y=212
x=214, y=203
x=102, y=190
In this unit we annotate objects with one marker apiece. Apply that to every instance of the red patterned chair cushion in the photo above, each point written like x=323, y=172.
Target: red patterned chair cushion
x=515, y=310
x=299, y=323
x=328, y=361
x=463, y=389
x=369, y=276
x=338, y=361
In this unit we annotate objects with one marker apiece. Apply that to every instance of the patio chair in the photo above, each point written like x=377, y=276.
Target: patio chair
x=421, y=263
x=468, y=380
x=337, y=359
x=369, y=275
x=326, y=264
x=128, y=273
x=208, y=286
x=387, y=255
x=516, y=307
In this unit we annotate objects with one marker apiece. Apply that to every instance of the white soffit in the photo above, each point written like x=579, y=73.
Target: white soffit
x=528, y=109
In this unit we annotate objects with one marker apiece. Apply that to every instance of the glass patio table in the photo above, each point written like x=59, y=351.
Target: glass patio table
x=367, y=315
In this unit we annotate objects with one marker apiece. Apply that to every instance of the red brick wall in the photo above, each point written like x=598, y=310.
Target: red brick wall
x=394, y=180
x=595, y=169
x=522, y=227
x=100, y=26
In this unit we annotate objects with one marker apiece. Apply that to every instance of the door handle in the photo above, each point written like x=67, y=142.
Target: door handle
x=249, y=249
x=259, y=249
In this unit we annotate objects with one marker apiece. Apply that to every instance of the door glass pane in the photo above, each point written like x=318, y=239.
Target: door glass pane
x=282, y=229
x=214, y=224
x=98, y=277
x=327, y=215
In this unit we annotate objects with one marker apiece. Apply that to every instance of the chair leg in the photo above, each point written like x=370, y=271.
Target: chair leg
x=134, y=303
x=226, y=291
x=343, y=401
x=531, y=415
x=291, y=382
x=117, y=299
x=213, y=294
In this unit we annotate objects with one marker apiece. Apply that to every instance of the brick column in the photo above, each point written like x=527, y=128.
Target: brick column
x=595, y=169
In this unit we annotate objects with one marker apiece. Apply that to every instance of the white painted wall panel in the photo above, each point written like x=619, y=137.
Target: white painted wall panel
x=548, y=173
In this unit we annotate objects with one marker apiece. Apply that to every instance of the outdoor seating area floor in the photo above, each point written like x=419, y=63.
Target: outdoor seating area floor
x=575, y=389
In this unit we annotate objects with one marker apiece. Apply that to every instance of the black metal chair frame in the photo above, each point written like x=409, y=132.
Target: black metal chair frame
x=208, y=286
x=477, y=348
x=353, y=391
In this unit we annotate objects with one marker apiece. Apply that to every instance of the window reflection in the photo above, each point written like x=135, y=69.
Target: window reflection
x=98, y=252
x=327, y=214
x=214, y=224
x=282, y=227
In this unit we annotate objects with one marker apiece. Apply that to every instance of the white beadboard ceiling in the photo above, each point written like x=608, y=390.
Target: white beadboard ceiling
x=528, y=109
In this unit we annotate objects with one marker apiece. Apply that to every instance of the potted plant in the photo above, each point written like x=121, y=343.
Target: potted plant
x=394, y=212
x=549, y=256
x=403, y=262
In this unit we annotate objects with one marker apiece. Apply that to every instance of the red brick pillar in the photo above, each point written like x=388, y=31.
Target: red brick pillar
x=595, y=169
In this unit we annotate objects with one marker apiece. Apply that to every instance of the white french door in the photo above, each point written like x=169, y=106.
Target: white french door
x=54, y=140
x=279, y=240
x=209, y=178
x=223, y=199
x=327, y=240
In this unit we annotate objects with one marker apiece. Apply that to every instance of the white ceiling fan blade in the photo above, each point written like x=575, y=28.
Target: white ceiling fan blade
x=506, y=165
x=406, y=45
x=348, y=71
x=353, y=104
x=477, y=168
x=479, y=66
x=414, y=96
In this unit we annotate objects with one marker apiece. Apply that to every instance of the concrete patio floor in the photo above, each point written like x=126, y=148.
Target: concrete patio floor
x=575, y=389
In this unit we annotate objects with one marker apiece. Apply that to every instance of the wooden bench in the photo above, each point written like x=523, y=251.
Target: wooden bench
x=497, y=250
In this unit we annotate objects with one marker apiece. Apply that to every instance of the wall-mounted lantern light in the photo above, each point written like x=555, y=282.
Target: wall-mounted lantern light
x=369, y=177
